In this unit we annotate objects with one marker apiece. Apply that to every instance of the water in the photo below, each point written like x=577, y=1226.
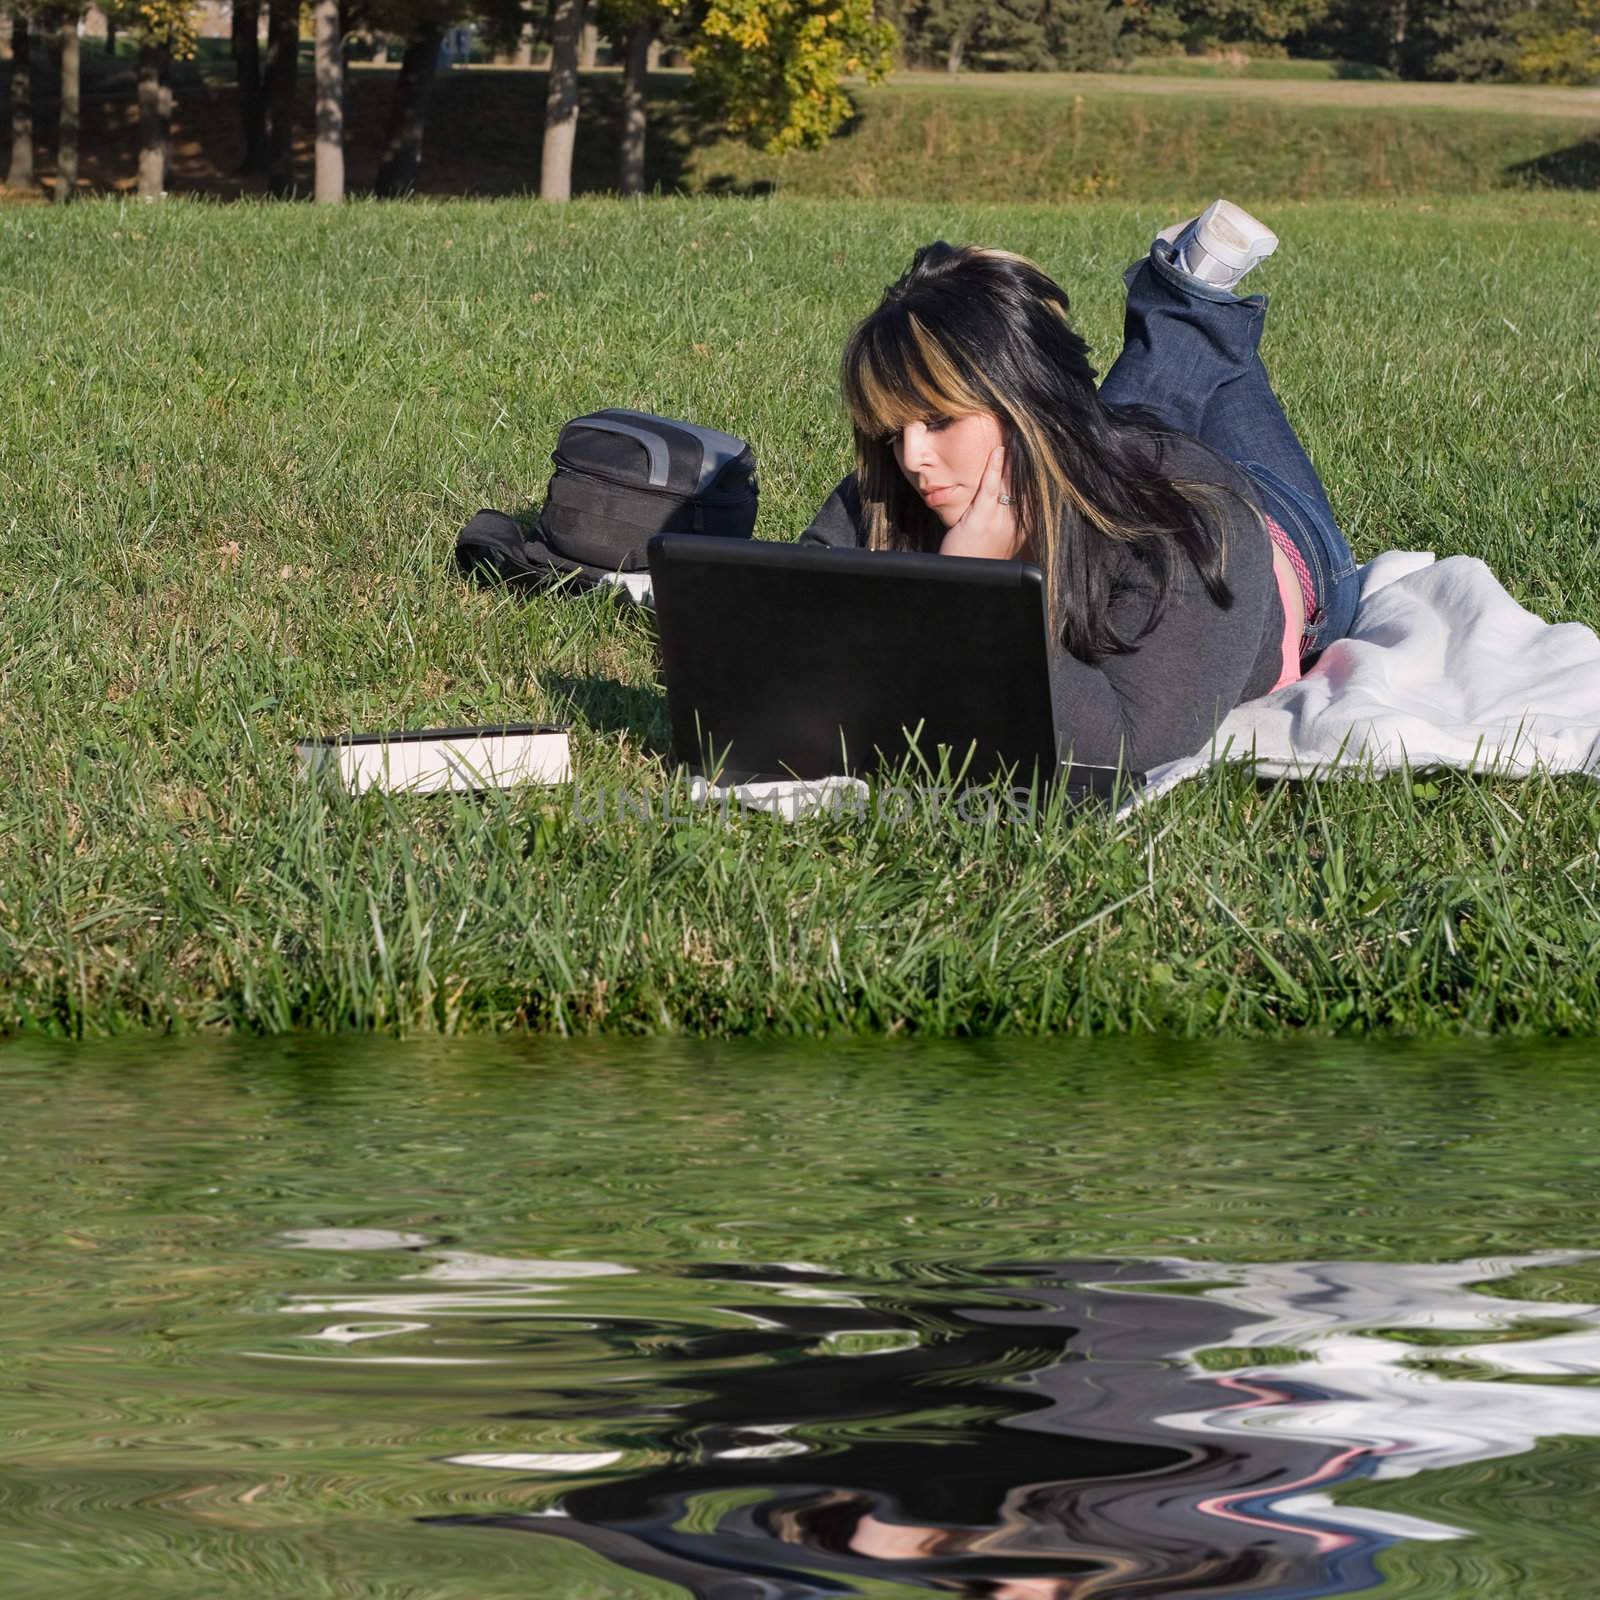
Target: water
x=350, y=1318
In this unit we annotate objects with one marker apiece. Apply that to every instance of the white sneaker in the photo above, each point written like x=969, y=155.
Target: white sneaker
x=1220, y=245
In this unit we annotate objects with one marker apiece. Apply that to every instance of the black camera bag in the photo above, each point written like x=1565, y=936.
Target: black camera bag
x=621, y=476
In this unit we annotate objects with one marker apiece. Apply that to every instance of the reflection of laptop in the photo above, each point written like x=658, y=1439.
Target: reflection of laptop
x=789, y=661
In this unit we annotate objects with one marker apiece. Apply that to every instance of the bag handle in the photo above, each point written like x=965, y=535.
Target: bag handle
x=653, y=443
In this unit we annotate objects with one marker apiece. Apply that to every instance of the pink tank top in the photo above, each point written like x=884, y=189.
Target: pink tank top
x=1293, y=642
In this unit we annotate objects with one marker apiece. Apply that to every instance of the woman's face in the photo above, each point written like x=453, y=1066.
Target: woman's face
x=944, y=461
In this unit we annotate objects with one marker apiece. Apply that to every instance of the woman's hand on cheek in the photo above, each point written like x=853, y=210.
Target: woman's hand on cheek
x=986, y=528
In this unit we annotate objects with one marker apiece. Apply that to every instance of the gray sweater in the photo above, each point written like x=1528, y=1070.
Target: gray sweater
x=1164, y=698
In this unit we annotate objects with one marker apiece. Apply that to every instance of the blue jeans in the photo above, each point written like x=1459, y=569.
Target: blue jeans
x=1190, y=357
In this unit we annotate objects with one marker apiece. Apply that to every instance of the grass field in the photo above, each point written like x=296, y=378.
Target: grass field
x=1236, y=64
x=1154, y=140
x=238, y=443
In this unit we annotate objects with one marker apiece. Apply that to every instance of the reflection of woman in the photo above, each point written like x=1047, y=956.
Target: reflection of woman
x=1008, y=1454
x=1190, y=555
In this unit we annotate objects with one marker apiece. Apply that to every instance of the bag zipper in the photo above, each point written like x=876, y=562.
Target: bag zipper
x=644, y=488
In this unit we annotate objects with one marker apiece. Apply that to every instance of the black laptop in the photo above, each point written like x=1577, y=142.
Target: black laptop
x=786, y=660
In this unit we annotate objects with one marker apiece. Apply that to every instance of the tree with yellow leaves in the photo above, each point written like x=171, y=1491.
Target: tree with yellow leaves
x=1560, y=43
x=773, y=70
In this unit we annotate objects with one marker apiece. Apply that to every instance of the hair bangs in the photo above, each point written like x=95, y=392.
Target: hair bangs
x=895, y=372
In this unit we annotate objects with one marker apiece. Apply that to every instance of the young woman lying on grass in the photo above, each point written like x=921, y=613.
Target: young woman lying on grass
x=1190, y=555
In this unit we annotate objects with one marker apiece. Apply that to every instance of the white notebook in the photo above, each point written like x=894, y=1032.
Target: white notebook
x=424, y=760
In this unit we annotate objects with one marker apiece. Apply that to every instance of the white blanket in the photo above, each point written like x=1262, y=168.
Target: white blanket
x=1442, y=668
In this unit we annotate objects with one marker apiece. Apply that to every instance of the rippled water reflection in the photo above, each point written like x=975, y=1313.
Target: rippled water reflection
x=741, y=1321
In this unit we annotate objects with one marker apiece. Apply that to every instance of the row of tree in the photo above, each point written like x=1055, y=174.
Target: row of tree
x=1527, y=41
x=770, y=71
x=1478, y=40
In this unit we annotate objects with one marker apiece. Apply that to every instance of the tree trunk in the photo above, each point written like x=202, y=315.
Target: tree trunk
x=283, y=66
x=111, y=37
x=561, y=104
x=633, y=110
x=958, y=48
x=408, y=114
x=588, y=46
x=1399, y=16
x=652, y=61
x=67, y=138
x=155, y=119
x=247, y=70
x=329, y=189
x=20, y=175
x=522, y=56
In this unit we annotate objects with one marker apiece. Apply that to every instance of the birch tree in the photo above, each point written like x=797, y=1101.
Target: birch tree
x=71, y=102
x=328, y=184
x=561, y=101
x=20, y=174
x=165, y=32
x=637, y=25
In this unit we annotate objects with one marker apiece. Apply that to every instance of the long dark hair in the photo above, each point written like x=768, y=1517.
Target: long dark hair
x=972, y=329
